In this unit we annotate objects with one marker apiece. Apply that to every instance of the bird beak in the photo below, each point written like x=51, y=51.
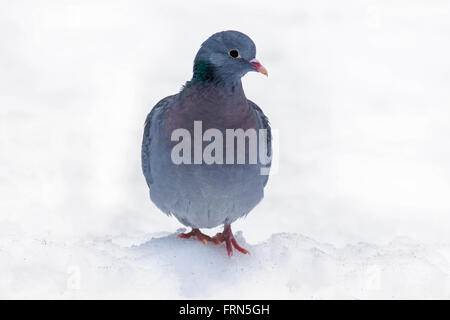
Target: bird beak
x=259, y=67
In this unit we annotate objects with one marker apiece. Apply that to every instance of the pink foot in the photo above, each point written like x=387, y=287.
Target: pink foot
x=230, y=242
x=203, y=238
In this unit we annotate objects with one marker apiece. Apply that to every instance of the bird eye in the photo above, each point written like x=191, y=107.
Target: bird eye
x=234, y=53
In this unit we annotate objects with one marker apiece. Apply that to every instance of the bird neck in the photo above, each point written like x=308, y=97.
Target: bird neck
x=216, y=98
x=204, y=73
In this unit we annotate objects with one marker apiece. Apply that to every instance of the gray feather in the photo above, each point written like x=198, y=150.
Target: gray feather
x=152, y=117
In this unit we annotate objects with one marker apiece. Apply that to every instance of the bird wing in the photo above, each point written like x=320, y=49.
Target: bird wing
x=151, y=121
x=264, y=124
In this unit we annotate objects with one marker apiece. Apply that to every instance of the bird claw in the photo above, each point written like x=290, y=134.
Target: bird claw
x=203, y=238
x=230, y=242
x=225, y=236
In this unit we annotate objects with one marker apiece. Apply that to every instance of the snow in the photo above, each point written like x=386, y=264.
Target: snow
x=358, y=91
x=161, y=266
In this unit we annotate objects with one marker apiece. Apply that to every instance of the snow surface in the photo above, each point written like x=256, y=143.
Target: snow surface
x=358, y=91
x=162, y=266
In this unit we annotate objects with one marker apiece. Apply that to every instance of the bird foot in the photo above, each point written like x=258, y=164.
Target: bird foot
x=203, y=238
x=230, y=242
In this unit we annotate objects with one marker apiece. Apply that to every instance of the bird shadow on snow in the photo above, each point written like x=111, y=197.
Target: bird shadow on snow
x=198, y=268
x=290, y=265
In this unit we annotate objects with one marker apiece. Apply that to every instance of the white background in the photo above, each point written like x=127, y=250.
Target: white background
x=358, y=91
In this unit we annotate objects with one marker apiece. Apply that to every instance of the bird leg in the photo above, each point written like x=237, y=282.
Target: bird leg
x=203, y=238
x=228, y=237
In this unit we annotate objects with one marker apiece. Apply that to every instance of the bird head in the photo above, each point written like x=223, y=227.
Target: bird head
x=226, y=57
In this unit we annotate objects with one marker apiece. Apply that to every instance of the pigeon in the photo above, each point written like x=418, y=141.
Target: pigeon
x=200, y=194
